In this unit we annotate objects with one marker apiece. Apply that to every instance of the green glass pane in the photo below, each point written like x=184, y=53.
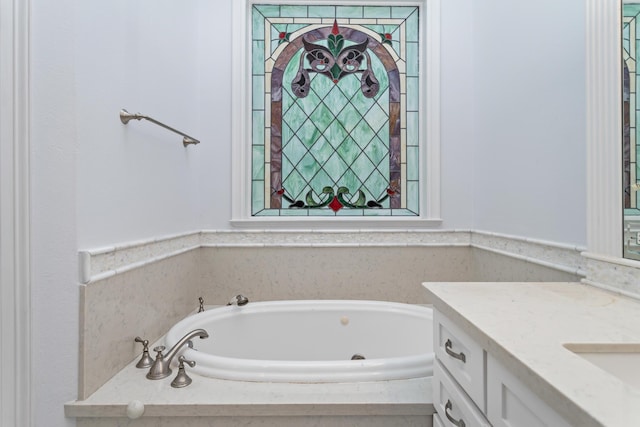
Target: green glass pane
x=321, y=11
x=294, y=183
x=350, y=180
x=413, y=196
x=335, y=167
x=376, y=185
x=268, y=10
x=413, y=85
x=287, y=134
x=349, y=150
x=257, y=25
x=349, y=11
x=383, y=166
x=257, y=196
x=350, y=212
x=363, y=167
x=376, y=150
x=403, y=12
x=377, y=12
x=411, y=28
x=412, y=64
x=349, y=85
x=377, y=212
x=294, y=117
x=309, y=103
x=322, y=150
x=376, y=117
x=294, y=150
x=258, y=57
x=362, y=133
x=258, y=93
x=413, y=162
x=293, y=11
x=321, y=84
x=321, y=180
x=412, y=128
x=322, y=117
x=308, y=166
x=335, y=133
x=308, y=133
x=348, y=118
x=258, y=162
x=294, y=212
x=336, y=100
x=258, y=128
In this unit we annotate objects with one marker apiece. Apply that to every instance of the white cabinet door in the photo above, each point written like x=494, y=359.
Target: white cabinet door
x=462, y=356
x=452, y=404
x=511, y=404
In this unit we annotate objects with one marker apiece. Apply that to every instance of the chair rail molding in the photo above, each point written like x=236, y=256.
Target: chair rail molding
x=15, y=292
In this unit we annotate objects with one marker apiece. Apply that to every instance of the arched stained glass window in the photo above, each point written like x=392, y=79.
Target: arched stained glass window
x=335, y=110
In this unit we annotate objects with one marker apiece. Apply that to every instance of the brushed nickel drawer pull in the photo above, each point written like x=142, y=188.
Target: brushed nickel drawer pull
x=447, y=348
x=447, y=408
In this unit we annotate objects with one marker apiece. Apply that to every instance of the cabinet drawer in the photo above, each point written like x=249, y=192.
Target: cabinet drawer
x=510, y=403
x=437, y=422
x=452, y=405
x=462, y=357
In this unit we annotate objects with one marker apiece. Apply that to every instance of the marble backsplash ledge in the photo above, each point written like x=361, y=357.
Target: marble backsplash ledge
x=100, y=263
x=613, y=274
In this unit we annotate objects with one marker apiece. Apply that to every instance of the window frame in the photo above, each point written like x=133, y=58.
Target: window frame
x=429, y=63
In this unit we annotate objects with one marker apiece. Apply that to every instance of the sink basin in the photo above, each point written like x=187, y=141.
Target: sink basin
x=620, y=360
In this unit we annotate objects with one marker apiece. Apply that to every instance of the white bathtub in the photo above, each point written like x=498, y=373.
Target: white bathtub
x=311, y=341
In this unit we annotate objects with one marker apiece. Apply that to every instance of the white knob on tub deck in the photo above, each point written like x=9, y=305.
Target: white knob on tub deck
x=135, y=409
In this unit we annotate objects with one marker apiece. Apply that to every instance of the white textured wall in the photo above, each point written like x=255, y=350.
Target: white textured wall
x=138, y=181
x=529, y=133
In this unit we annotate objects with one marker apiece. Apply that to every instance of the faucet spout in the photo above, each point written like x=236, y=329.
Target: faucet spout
x=161, y=366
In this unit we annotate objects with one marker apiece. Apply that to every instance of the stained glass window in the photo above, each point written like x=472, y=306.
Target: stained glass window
x=631, y=109
x=335, y=104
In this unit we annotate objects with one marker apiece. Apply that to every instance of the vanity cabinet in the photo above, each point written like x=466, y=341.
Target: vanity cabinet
x=472, y=388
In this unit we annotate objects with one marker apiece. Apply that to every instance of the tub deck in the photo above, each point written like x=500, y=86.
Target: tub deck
x=210, y=397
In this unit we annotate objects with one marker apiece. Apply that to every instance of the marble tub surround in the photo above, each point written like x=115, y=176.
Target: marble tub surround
x=289, y=273
x=121, y=296
x=209, y=401
x=99, y=263
x=143, y=302
x=526, y=325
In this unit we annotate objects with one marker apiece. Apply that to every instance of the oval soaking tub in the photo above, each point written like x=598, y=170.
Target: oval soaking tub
x=311, y=341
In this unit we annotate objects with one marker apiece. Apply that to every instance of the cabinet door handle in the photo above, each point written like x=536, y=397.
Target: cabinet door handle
x=447, y=407
x=447, y=348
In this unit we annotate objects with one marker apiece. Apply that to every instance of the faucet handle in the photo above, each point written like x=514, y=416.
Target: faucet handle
x=145, y=360
x=182, y=379
x=159, y=349
x=183, y=360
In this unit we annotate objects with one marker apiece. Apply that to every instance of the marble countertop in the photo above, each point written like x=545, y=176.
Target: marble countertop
x=213, y=397
x=525, y=327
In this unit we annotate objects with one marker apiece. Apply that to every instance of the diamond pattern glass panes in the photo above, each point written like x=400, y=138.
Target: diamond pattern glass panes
x=334, y=87
x=631, y=111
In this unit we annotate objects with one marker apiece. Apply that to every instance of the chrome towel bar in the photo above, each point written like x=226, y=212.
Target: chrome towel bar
x=126, y=116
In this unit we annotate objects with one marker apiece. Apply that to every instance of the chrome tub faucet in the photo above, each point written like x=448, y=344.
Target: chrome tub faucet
x=161, y=366
x=239, y=300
